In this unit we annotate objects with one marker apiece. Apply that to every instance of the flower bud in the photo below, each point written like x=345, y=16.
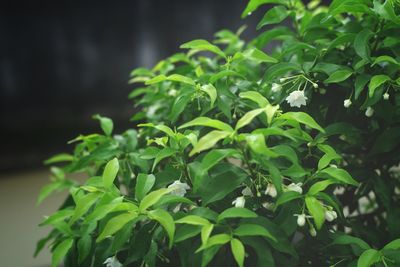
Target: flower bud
x=369, y=112
x=315, y=85
x=347, y=103
x=276, y=87
x=330, y=215
x=313, y=232
x=271, y=190
x=301, y=220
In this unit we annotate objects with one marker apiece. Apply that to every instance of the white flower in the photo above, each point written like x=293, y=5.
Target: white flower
x=347, y=103
x=296, y=99
x=271, y=190
x=369, y=112
x=179, y=188
x=295, y=187
x=247, y=192
x=239, y=202
x=112, y=262
x=301, y=220
x=276, y=87
x=330, y=215
x=386, y=96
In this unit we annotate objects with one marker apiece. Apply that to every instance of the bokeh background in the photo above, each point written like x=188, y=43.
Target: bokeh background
x=60, y=63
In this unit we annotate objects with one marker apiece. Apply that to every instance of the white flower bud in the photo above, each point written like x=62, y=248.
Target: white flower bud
x=369, y=112
x=239, y=202
x=295, y=187
x=276, y=87
x=330, y=215
x=386, y=96
x=313, y=232
x=347, y=103
x=271, y=190
x=282, y=79
x=315, y=85
x=301, y=220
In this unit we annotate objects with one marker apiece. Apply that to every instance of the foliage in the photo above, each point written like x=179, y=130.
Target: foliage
x=247, y=158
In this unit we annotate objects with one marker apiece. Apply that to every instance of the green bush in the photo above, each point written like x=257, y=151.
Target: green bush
x=243, y=158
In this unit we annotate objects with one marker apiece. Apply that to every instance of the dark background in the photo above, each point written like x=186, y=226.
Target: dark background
x=63, y=61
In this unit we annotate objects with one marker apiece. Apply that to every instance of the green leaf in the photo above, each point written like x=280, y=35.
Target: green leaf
x=254, y=4
x=339, y=76
x=84, y=246
x=218, y=239
x=206, y=232
x=286, y=197
x=193, y=220
x=59, y=158
x=375, y=82
x=208, y=141
x=115, y=224
x=238, y=251
x=348, y=240
x=361, y=44
x=48, y=189
x=255, y=97
x=204, y=121
x=211, y=91
x=330, y=154
x=203, y=45
x=394, y=245
x=144, y=183
x=83, y=206
x=167, y=222
x=257, y=144
x=106, y=124
x=273, y=16
x=61, y=251
x=110, y=172
x=235, y=212
x=340, y=175
x=361, y=81
x=156, y=79
x=302, y=118
x=253, y=230
x=152, y=198
x=181, y=79
x=214, y=156
x=319, y=186
x=385, y=58
x=316, y=210
x=224, y=73
x=259, y=56
x=368, y=258
x=248, y=117
x=160, y=127
x=162, y=154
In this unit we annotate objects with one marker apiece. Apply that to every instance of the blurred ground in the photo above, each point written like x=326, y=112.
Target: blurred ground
x=20, y=217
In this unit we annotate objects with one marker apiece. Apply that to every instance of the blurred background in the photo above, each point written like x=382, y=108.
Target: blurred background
x=60, y=63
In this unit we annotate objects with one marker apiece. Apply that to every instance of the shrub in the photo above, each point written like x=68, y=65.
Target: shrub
x=246, y=158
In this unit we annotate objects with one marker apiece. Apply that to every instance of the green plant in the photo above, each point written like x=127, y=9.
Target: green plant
x=229, y=165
